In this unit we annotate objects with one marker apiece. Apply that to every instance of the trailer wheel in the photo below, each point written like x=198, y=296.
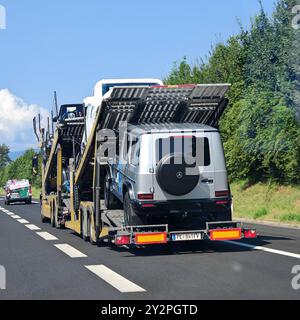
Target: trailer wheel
x=130, y=215
x=91, y=231
x=83, y=217
x=111, y=202
x=53, y=215
x=43, y=219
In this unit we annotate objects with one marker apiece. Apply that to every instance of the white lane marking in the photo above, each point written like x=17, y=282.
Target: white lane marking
x=70, y=251
x=10, y=213
x=35, y=202
x=114, y=279
x=14, y=216
x=47, y=236
x=23, y=221
x=270, y=250
x=32, y=227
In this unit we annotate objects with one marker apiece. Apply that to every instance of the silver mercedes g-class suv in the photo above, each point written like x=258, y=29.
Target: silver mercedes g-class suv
x=171, y=172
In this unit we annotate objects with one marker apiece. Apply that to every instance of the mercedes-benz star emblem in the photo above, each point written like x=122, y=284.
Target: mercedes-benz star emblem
x=179, y=175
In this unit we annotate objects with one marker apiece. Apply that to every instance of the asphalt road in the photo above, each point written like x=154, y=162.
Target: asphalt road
x=39, y=268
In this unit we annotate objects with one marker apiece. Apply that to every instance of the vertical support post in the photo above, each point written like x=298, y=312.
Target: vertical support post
x=72, y=170
x=44, y=159
x=59, y=177
x=97, y=190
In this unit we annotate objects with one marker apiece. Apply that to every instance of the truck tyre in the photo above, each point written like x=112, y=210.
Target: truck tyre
x=91, y=230
x=111, y=202
x=83, y=218
x=130, y=215
x=43, y=219
x=53, y=215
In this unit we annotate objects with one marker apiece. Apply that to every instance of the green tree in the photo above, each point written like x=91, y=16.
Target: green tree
x=4, y=155
x=259, y=128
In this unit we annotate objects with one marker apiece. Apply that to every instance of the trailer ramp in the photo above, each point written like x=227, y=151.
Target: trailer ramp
x=164, y=104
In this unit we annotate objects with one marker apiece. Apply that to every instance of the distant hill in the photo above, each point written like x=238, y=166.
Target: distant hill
x=13, y=155
x=16, y=154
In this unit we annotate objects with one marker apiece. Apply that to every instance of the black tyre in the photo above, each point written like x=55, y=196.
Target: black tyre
x=173, y=177
x=131, y=216
x=91, y=230
x=53, y=215
x=111, y=202
x=43, y=219
x=83, y=216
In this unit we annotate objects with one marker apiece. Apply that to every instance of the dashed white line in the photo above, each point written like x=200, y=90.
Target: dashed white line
x=114, y=279
x=47, y=236
x=32, y=227
x=270, y=250
x=23, y=221
x=14, y=216
x=70, y=251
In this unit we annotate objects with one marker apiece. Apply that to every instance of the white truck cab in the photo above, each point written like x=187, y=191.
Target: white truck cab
x=102, y=90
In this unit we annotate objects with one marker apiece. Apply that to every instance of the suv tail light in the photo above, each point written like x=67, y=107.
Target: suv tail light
x=29, y=190
x=222, y=194
x=145, y=196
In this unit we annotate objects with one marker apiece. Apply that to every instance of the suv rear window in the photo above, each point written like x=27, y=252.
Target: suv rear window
x=187, y=145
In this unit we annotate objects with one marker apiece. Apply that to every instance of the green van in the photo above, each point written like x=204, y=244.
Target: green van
x=18, y=191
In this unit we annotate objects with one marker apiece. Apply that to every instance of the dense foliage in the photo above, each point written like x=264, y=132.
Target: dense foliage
x=4, y=155
x=260, y=130
x=21, y=168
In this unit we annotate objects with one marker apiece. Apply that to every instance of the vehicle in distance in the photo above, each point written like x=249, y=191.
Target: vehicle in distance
x=18, y=191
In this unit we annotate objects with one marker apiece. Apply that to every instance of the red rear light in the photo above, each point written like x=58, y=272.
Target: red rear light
x=222, y=194
x=145, y=196
x=148, y=205
x=222, y=202
x=122, y=240
x=29, y=189
x=250, y=233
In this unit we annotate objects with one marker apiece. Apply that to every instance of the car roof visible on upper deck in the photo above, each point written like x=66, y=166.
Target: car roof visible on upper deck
x=168, y=127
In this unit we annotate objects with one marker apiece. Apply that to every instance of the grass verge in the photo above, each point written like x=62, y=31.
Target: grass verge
x=269, y=202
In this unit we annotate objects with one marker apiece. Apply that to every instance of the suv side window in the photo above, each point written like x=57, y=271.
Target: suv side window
x=125, y=146
x=135, y=153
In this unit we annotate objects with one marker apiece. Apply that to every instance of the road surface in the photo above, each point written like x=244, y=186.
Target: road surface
x=46, y=263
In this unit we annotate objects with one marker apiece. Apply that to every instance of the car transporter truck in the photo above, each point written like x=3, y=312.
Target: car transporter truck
x=151, y=170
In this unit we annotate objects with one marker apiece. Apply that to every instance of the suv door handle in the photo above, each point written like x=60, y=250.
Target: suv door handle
x=207, y=181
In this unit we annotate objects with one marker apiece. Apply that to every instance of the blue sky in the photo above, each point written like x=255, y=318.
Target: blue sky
x=69, y=45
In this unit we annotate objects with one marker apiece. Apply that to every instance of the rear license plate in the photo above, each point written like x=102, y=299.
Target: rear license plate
x=186, y=236
x=15, y=195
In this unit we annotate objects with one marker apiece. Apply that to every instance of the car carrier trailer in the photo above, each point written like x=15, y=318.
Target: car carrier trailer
x=72, y=180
